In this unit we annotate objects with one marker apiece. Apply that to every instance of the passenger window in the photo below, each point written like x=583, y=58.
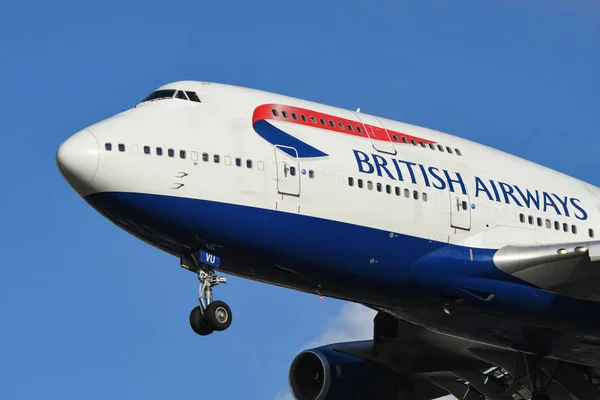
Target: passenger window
x=260, y=166
x=205, y=157
x=181, y=95
x=369, y=185
x=350, y=181
x=313, y=120
x=379, y=187
x=294, y=116
x=448, y=149
x=422, y=144
x=350, y=128
x=415, y=195
x=388, y=189
x=121, y=147
x=395, y=138
x=358, y=129
x=591, y=233
x=548, y=224
x=565, y=227
x=332, y=123
x=397, y=191
x=275, y=112
x=574, y=229
x=171, y=153
x=342, y=126
x=539, y=221
x=248, y=163
x=531, y=221
x=522, y=218
x=146, y=149
x=311, y=175
x=323, y=122
x=193, y=96
x=404, y=139
x=413, y=142
x=465, y=205
x=216, y=158
x=431, y=146
x=108, y=146
x=293, y=171
x=304, y=118
x=159, y=151
x=424, y=196
x=285, y=114
x=440, y=148
x=406, y=193
x=182, y=154
x=194, y=156
x=557, y=225
x=458, y=152
x=238, y=162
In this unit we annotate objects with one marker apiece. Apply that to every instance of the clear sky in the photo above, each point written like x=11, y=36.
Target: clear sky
x=87, y=311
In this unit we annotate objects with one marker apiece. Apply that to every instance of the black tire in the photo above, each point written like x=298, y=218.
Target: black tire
x=218, y=315
x=199, y=324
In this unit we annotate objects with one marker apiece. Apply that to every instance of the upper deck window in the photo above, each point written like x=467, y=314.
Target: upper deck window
x=160, y=94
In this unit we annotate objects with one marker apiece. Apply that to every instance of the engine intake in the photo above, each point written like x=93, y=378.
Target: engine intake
x=327, y=374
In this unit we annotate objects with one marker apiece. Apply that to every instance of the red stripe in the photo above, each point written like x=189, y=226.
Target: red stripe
x=315, y=119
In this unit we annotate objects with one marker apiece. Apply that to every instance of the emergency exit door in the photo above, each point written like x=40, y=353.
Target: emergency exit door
x=460, y=210
x=374, y=129
x=288, y=170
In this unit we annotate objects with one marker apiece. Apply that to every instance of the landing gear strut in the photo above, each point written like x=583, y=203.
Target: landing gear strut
x=537, y=377
x=210, y=315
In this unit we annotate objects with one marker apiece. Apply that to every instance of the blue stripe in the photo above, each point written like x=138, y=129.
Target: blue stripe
x=276, y=136
x=330, y=251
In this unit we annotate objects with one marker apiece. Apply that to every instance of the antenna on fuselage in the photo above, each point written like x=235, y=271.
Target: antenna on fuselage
x=358, y=109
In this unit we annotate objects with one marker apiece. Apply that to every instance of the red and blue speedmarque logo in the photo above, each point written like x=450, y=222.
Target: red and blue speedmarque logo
x=266, y=113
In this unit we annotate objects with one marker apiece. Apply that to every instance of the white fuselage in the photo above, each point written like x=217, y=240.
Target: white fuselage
x=222, y=126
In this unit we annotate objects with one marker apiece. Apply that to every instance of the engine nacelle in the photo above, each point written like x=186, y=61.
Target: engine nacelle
x=327, y=374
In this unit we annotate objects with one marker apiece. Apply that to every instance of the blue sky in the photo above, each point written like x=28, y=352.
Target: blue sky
x=88, y=311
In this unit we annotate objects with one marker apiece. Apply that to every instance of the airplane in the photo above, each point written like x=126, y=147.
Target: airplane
x=483, y=267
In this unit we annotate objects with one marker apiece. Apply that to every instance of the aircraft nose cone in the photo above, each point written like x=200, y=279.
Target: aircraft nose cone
x=78, y=158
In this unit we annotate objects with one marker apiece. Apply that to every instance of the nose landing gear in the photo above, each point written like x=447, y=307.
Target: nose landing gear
x=210, y=315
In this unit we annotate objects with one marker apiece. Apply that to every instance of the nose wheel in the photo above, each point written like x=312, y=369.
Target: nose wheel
x=210, y=315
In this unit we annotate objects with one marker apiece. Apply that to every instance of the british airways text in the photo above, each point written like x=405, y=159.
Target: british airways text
x=441, y=179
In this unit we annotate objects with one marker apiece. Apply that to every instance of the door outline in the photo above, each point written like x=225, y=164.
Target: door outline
x=460, y=210
x=288, y=170
x=379, y=145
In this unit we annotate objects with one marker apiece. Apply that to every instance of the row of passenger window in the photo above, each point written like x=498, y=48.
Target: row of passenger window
x=433, y=146
x=194, y=155
x=548, y=224
x=323, y=122
x=387, y=188
x=343, y=126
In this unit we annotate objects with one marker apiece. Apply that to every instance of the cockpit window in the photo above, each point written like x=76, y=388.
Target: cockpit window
x=160, y=94
x=193, y=96
x=172, y=93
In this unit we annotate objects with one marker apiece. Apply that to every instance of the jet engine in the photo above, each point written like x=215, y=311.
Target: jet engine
x=327, y=374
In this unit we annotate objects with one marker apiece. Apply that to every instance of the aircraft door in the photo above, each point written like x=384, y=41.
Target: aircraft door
x=288, y=170
x=380, y=138
x=460, y=210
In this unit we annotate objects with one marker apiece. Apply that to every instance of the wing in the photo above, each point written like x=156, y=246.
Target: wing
x=568, y=269
x=432, y=365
